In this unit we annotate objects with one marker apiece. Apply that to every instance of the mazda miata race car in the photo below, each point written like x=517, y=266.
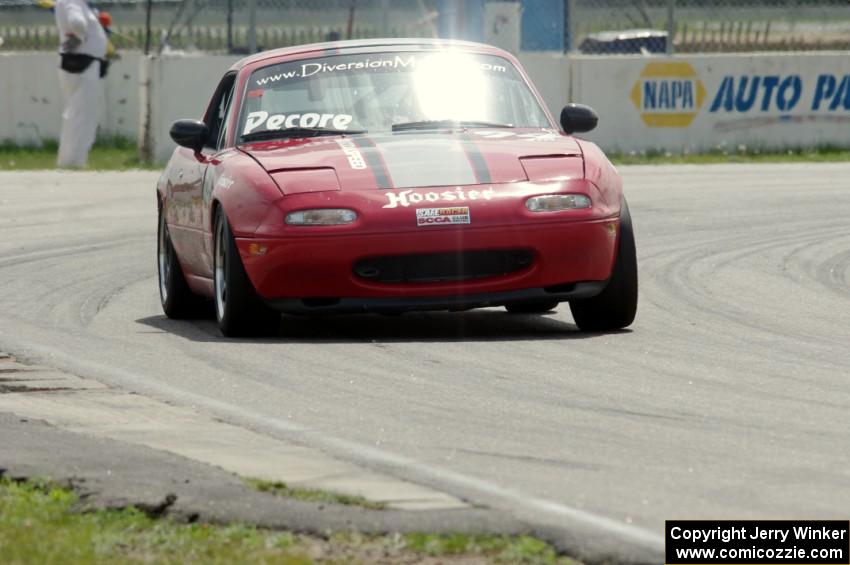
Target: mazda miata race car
x=390, y=176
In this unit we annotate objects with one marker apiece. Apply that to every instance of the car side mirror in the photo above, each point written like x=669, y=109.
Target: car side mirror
x=190, y=133
x=578, y=118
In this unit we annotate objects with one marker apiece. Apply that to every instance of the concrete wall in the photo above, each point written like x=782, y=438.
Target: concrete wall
x=550, y=73
x=31, y=101
x=179, y=87
x=682, y=103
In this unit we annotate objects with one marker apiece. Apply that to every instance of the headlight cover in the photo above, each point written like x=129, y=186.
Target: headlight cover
x=557, y=202
x=321, y=217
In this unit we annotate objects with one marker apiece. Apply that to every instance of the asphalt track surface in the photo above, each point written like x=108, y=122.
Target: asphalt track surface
x=728, y=398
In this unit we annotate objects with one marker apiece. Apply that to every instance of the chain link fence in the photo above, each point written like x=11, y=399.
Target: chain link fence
x=583, y=26
x=236, y=26
x=700, y=26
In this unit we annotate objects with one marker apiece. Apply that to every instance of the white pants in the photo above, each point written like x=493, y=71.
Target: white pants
x=79, y=120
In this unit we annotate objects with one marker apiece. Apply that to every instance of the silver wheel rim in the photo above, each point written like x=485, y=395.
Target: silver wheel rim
x=163, y=259
x=220, y=266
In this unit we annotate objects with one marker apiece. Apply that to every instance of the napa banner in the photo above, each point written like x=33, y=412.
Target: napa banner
x=706, y=102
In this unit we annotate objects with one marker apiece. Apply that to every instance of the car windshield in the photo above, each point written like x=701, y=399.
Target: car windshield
x=387, y=91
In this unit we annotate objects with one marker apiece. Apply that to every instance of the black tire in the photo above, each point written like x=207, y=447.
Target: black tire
x=177, y=300
x=615, y=307
x=532, y=307
x=238, y=309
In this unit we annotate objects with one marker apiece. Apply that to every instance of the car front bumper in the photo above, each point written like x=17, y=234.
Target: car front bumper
x=570, y=259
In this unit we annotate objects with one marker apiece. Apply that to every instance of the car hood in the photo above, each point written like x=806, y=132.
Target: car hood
x=420, y=159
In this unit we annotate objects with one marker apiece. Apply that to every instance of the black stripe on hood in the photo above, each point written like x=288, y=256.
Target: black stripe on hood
x=373, y=159
x=479, y=165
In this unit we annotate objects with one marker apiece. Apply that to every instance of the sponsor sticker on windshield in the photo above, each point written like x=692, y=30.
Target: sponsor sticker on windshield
x=442, y=216
x=285, y=121
x=331, y=65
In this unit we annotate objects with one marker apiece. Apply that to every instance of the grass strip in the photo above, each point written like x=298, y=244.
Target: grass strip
x=739, y=154
x=40, y=524
x=108, y=154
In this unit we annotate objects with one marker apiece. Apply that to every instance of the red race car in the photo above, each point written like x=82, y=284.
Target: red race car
x=390, y=176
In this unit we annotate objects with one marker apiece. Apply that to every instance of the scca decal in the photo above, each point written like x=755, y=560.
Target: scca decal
x=408, y=197
x=437, y=216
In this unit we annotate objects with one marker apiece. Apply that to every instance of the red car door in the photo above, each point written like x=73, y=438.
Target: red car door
x=190, y=185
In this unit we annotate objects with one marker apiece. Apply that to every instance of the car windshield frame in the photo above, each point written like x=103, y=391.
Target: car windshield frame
x=536, y=106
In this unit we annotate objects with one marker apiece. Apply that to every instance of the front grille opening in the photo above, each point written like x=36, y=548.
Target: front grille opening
x=443, y=267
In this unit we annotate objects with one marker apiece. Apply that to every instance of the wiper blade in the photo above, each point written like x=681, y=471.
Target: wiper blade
x=437, y=124
x=296, y=132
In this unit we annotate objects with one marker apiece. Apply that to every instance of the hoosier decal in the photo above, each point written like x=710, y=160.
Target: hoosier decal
x=442, y=216
x=408, y=197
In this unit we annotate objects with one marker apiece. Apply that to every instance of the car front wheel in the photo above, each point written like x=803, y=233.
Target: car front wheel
x=238, y=309
x=615, y=307
x=176, y=298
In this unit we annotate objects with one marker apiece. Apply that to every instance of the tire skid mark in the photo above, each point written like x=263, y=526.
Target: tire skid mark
x=75, y=298
x=829, y=269
x=680, y=275
x=63, y=251
x=97, y=301
x=689, y=288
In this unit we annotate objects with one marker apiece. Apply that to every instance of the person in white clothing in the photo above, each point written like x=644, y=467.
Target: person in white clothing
x=83, y=52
